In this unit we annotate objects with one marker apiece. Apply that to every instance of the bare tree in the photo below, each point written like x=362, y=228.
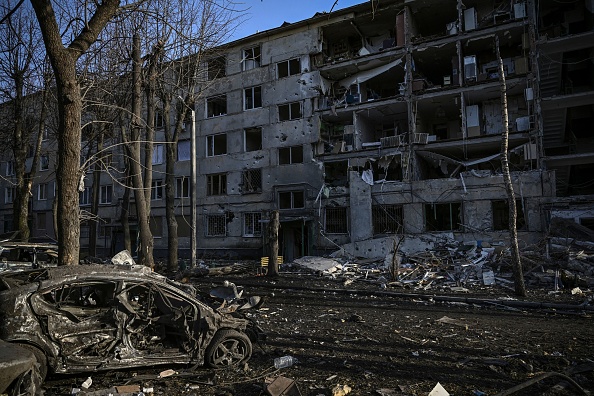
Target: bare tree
x=19, y=60
x=520, y=287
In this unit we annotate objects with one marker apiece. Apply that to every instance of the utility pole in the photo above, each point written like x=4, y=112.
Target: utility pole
x=193, y=200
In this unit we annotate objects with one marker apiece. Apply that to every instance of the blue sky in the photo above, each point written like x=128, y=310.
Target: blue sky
x=267, y=14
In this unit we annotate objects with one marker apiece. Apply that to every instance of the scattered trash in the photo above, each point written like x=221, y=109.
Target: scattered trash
x=341, y=390
x=167, y=373
x=282, y=386
x=87, y=383
x=284, y=361
x=128, y=388
x=454, y=322
x=439, y=390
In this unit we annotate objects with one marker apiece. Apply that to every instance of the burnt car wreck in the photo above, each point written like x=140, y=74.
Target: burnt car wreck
x=104, y=317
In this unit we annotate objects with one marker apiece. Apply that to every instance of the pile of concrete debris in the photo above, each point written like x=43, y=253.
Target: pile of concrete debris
x=459, y=266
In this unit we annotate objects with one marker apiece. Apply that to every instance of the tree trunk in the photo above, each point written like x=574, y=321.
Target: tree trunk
x=520, y=287
x=170, y=159
x=63, y=61
x=97, y=170
x=273, y=231
x=126, y=207
x=145, y=250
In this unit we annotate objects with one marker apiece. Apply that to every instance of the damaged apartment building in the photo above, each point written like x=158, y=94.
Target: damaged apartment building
x=385, y=119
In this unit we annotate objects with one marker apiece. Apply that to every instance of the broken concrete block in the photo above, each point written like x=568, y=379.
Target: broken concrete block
x=128, y=388
x=439, y=390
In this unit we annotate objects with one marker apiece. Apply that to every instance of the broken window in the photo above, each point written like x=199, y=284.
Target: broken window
x=386, y=219
x=290, y=155
x=291, y=200
x=252, y=181
x=252, y=98
x=289, y=111
x=253, y=139
x=182, y=187
x=443, y=217
x=159, y=120
x=251, y=58
x=156, y=190
x=252, y=224
x=216, y=225
x=288, y=68
x=105, y=194
x=84, y=197
x=500, y=210
x=216, y=106
x=183, y=150
x=335, y=220
x=216, y=184
x=336, y=173
x=217, y=67
x=216, y=145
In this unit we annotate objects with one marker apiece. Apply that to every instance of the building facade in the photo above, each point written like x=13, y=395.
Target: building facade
x=378, y=121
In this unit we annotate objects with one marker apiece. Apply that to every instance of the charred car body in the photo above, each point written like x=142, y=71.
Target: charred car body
x=103, y=317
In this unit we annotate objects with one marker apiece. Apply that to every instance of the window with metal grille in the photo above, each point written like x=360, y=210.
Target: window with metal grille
x=500, y=210
x=253, y=139
x=252, y=181
x=386, y=219
x=291, y=200
x=216, y=145
x=216, y=225
x=335, y=220
x=443, y=217
x=290, y=155
x=251, y=58
x=216, y=106
x=288, y=68
x=216, y=184
x=252, y=98
x=252, y=224
x=289, y=111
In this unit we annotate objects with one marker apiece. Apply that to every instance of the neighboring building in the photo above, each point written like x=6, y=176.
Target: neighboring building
x=384, y=120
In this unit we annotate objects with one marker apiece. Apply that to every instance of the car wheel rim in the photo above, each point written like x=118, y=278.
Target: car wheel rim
x=229, y=352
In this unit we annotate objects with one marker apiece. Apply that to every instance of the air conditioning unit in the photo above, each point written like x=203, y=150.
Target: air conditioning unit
x=470, y=68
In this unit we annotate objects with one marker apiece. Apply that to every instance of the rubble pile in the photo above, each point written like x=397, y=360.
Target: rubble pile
x=460, y=266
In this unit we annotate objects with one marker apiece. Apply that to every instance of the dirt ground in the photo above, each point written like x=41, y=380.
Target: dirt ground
x=388, y=342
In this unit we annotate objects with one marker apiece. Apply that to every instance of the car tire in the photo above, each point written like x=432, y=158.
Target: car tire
x=28, y=383
x=40, y=357
x=228, y=348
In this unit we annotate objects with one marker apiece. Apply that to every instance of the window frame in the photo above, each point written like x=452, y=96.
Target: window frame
x=290, y=110
x=252, y=96
x=106, y=191
x=44, y=161
x=9, y=194
x=180, y=183
x=292, y=199
x=42, y=192
x=189, y=150
x=212, y=103
x=10, y=168
x=253, y=229
x=86, y=193
x=291, y=155
x=219, y=217
x=211, y=145
x=218, y=182
x=454, y=226
x=253, y=54
x=288, y=65
x=157, y=190
x=158, y=156
x=214, y=66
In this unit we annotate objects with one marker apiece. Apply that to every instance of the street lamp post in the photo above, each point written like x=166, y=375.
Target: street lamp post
x=193, y=200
